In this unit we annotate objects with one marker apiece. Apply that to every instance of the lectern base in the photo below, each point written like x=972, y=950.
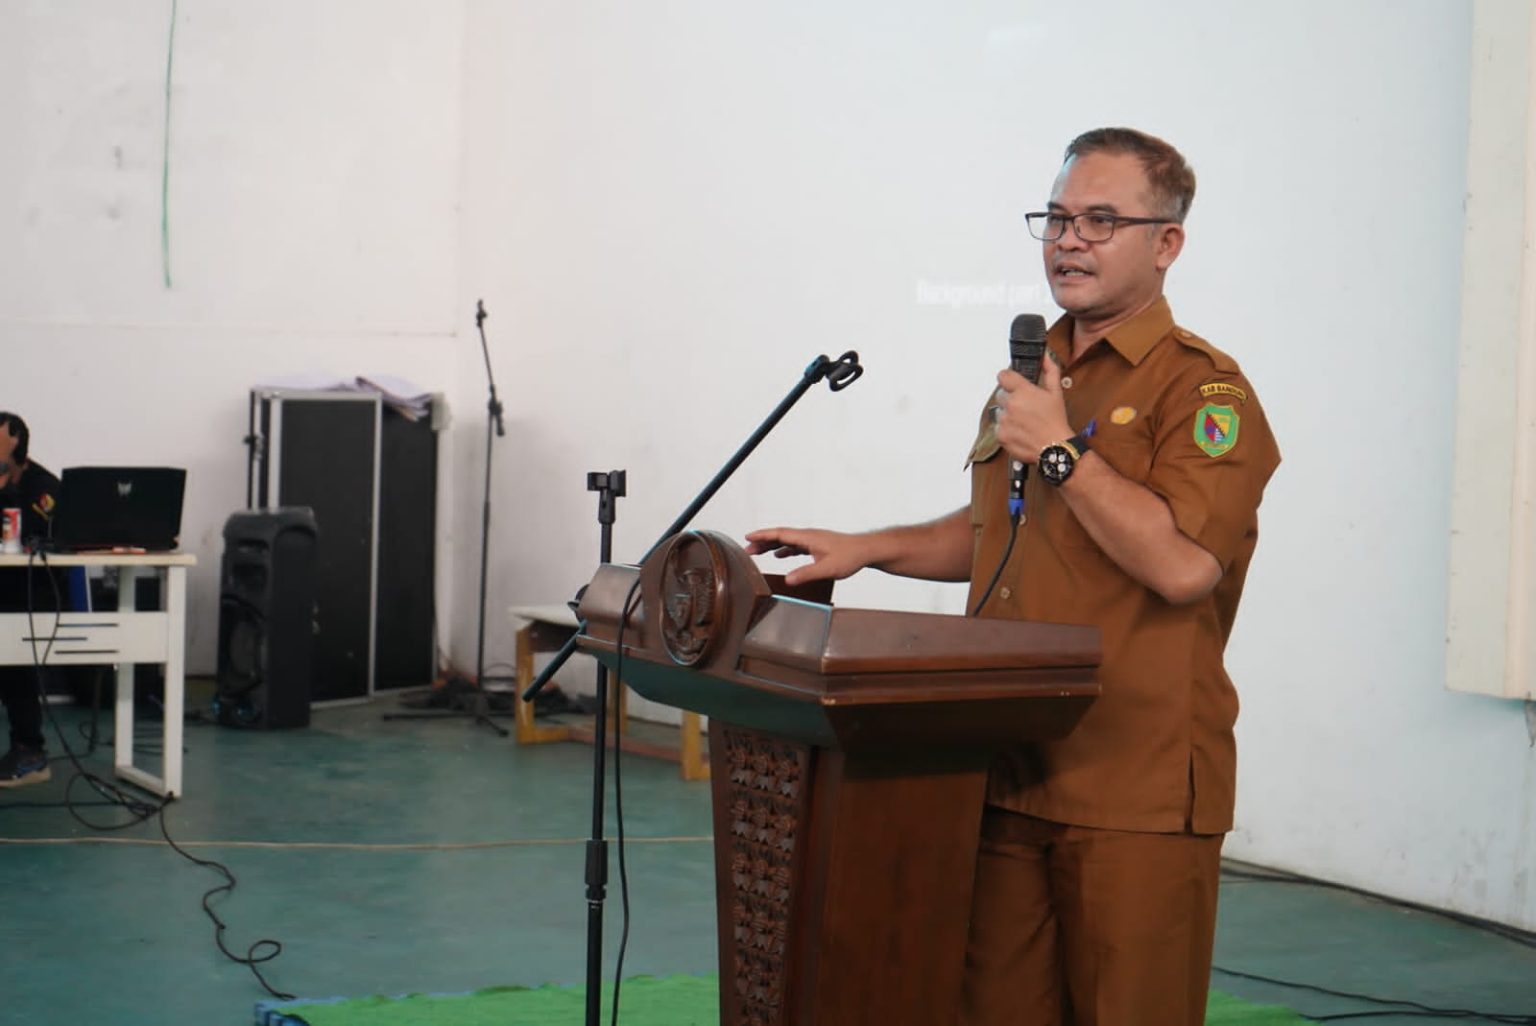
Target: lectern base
x=843, y=880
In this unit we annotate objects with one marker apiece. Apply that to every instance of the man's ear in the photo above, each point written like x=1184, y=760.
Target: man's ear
x=1170, y=243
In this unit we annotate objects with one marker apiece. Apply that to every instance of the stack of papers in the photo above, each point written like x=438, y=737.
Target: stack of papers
x=400, y=395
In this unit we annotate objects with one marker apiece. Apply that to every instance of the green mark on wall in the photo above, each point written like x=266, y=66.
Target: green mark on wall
x=165, y=159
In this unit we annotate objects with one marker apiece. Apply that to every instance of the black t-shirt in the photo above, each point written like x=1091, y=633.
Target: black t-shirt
x=37, y=496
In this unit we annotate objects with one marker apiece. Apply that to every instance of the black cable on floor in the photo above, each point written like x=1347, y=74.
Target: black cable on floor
x=1417, y=1010
x=138, y=808
x=1508, y=933
x=269, y=949
x=1414, y=1008
x=51, y=805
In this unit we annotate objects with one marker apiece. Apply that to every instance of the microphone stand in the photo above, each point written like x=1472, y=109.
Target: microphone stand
x=839, y=374
x=479, y=707
x=493, y=419
x=610, y=488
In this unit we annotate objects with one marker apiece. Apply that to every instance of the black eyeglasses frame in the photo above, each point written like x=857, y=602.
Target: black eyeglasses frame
x=1115, y=220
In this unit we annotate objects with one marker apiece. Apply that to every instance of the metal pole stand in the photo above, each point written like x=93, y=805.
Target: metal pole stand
x=474, y=703
x=609, y=488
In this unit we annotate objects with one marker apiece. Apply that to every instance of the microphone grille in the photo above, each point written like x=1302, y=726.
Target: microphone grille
x=1027, y=328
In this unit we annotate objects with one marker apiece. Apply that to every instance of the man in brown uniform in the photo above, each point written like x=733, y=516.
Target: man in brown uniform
x=1096, y=883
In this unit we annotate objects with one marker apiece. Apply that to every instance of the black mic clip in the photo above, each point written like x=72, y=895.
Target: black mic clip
x=480, y=314
x=839, y=373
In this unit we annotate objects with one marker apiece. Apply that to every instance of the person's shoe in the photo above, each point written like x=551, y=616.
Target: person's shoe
x=20, y=767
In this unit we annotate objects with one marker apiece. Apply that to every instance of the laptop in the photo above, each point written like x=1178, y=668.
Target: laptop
x=118, y=507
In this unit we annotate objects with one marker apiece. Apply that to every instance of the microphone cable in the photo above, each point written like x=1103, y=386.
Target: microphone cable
x=1013, y=536
x=1026, y=353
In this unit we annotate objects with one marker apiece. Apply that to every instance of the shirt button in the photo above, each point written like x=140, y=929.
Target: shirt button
x=1066, y=382
x=1005, y=594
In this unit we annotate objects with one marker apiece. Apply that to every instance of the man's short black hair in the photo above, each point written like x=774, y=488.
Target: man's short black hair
x=1170, y=176
x=18, y=430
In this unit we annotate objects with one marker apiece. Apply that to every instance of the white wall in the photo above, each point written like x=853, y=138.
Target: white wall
x=311, y=216
x=670, y=208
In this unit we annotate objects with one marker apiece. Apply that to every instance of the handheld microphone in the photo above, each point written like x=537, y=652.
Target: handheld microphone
x=1026, y=348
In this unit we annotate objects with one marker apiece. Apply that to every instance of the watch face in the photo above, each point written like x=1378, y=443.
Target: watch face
x=1056, y=462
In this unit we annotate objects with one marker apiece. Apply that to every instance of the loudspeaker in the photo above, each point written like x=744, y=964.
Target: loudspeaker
x=267, y=619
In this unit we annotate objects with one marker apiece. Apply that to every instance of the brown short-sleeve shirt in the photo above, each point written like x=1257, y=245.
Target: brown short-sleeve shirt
x=1156, y=751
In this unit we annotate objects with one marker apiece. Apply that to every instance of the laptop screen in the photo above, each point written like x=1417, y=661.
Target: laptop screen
x=119, y=507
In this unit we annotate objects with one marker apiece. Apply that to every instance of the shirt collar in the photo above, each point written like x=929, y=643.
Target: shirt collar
x=1132, y=339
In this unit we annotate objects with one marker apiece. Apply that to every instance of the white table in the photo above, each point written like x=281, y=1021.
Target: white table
x=125, y=636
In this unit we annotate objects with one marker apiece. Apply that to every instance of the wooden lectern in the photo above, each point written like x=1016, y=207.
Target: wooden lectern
x=849, y=751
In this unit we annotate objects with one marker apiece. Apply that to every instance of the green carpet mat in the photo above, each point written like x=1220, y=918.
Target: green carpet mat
x=646, y=1001
x=1226, y=1010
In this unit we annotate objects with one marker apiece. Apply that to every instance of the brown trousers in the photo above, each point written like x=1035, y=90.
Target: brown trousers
x=1074, y=926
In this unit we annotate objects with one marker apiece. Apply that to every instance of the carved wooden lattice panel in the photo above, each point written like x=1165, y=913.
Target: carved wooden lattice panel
x=765, y=791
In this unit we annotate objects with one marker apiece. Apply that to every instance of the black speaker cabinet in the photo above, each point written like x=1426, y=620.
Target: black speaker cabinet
x=370, y=476
x=405, y=650
x=321, y=450
x=267, y=619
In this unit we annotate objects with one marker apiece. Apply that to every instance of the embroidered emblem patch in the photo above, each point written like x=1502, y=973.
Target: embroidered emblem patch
x=1222, y=388
x=1216, y=429
x=1122, y=414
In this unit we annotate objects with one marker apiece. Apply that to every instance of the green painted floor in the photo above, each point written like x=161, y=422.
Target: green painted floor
x=309, y=820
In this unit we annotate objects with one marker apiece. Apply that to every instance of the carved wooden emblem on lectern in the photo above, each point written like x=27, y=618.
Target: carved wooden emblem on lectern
x=695, y=600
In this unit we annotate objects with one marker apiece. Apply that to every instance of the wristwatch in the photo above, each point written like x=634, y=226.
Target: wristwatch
x=1057, y=461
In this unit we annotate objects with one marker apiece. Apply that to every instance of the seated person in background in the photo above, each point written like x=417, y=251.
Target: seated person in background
x=34, y=490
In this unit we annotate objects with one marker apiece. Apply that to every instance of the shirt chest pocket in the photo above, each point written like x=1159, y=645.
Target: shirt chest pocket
x=1128, y=450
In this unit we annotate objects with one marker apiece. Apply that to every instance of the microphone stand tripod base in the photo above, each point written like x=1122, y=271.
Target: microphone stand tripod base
x=465, y=700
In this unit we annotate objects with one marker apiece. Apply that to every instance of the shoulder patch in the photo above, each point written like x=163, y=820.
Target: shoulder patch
x=1216, y=429
x=1222, y=388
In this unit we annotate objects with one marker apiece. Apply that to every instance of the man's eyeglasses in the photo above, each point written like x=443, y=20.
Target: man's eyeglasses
x=1092, y=226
